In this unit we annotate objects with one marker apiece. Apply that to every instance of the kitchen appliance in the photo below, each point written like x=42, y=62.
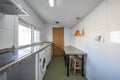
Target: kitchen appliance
x=42, y=65
x=11, y=7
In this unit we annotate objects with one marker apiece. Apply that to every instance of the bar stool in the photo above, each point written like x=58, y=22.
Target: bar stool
x=76, y=64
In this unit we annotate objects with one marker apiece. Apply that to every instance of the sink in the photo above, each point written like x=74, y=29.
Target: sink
x=44, y=43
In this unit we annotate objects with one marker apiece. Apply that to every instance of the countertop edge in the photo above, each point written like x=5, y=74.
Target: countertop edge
x=10, y=65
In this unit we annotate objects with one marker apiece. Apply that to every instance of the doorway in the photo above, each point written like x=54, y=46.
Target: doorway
x=58, y=41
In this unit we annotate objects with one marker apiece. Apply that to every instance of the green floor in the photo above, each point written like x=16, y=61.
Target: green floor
x=57, y=71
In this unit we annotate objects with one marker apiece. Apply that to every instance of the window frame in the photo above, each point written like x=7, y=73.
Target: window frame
x=32, y=27
x=34, y=35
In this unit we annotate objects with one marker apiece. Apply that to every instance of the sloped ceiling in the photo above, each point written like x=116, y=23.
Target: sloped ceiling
x=65, y=11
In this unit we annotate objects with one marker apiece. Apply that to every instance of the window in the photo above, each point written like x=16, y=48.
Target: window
x=36, y=36
x=27, y=34
x=24, y=35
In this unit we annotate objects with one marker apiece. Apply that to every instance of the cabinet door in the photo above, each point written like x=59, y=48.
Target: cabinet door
x=48, y=54
x=37, y=66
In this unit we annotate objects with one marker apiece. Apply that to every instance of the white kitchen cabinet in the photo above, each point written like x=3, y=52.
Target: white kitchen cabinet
x=48, y=54
x=41, y=66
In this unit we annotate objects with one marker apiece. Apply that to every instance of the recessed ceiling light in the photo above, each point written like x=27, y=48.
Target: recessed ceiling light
x=51, y=3
x=78, y=18
x=57, y=22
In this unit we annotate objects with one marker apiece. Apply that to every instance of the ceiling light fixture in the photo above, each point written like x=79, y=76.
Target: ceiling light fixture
x=78, y=18
x=57, y=22
x=51, y=3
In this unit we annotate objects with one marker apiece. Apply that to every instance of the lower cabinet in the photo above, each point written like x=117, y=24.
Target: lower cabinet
x=43, y=58
x=33, y=68
x=41, y=65
x=3, y=76
x=23, y=71
x=48, y=54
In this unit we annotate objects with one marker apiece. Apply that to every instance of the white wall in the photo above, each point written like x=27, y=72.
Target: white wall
x=49, y=34
x=6, y=31
x=113, y=24
x=103, y=57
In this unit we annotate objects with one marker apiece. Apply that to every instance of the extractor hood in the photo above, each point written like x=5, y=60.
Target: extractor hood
x=11, y=7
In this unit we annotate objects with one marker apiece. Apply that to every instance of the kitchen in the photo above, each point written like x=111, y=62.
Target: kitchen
x=96, y=20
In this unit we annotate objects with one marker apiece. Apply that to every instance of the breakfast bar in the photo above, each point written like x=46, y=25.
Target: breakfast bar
x=72, y=51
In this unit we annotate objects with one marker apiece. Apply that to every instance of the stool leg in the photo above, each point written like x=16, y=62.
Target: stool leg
x=74, y=71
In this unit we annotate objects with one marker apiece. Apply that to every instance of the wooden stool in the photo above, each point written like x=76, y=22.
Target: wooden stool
x=76, y=64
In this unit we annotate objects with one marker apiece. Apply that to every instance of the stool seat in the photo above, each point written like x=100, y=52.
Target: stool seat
x=76, y=64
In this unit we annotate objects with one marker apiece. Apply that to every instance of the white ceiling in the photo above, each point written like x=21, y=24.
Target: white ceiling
x=65, y=11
